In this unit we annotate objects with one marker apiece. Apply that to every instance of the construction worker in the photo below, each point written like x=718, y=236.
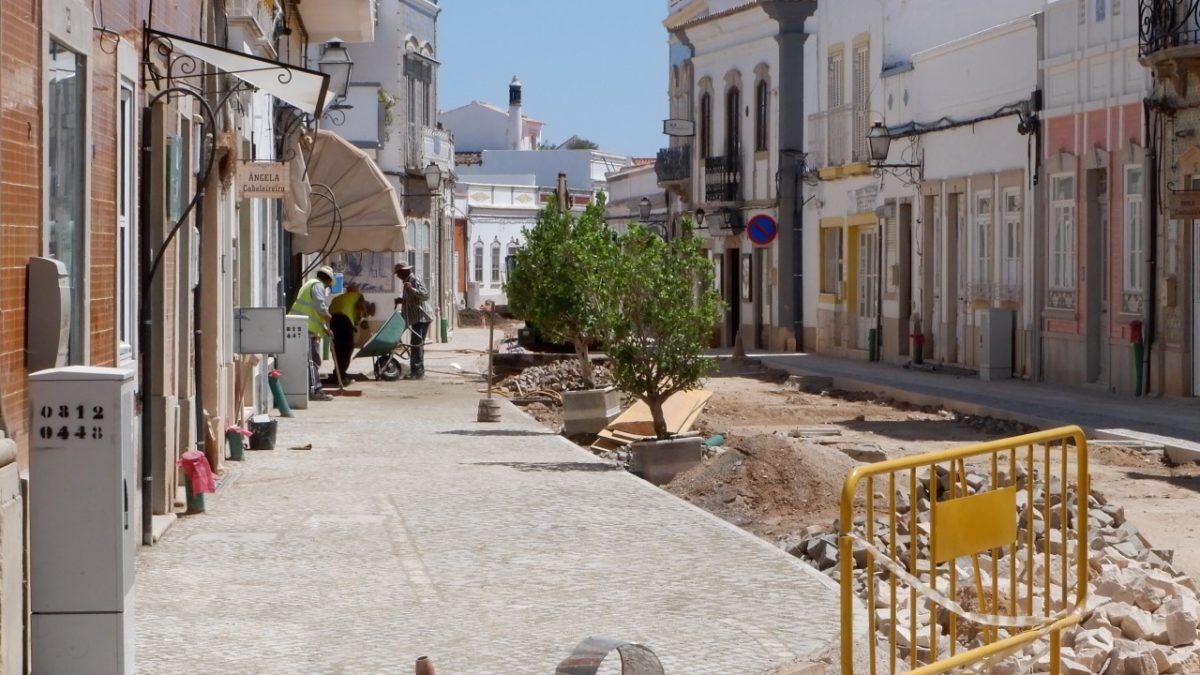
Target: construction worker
x=313, y=301
x=349, y=310
x=417, y=314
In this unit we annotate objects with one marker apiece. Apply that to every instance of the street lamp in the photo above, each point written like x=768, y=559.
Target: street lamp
x=337, y=64
x=433, y=177
x=879, y=144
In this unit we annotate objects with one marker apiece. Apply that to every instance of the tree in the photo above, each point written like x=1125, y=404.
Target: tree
x=555, y=282
x=658, y=312
x=579, y=143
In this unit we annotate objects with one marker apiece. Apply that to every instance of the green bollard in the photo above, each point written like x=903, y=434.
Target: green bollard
x=237, y=446
x=873, y=344
x=195, y=502
x=445, y=330
x=281, y=402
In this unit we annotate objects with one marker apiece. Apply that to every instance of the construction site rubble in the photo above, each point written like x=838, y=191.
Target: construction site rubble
x=558, y=376
x=1141, y=615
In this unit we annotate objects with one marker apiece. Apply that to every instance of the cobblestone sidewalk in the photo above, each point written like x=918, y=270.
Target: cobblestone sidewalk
x=409, y=529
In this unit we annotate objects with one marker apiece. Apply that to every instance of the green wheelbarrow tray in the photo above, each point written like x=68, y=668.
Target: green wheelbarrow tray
x=386, y=347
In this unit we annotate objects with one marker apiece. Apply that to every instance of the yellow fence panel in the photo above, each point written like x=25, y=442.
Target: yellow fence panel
x=965, y=556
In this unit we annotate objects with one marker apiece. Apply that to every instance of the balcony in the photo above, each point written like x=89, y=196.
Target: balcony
x=722, y=179
x=1169, y=36
x=838, y=122
x=424, y=145
x=345, y=20
x=257, y=18
x=818, y=145
x=674, y=164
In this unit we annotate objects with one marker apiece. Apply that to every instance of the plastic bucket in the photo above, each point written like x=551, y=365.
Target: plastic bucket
x=262, y=432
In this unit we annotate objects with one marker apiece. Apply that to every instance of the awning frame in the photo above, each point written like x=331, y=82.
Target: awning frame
x=183, y=69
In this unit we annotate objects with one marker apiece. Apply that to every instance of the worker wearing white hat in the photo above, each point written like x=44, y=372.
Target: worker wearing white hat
x=313, y=301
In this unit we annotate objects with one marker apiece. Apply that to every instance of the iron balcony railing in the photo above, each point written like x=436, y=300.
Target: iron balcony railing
x=255, y=12
x=674, y=164
x=722, y=179
x=1163, y=24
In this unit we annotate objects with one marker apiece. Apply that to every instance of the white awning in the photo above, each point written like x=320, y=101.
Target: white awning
x=367, y=216
x=305, y=89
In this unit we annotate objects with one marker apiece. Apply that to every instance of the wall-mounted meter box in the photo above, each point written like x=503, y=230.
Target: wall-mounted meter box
x=258, y=330
x=82, y=538
x=293, y=362
x=48, y=327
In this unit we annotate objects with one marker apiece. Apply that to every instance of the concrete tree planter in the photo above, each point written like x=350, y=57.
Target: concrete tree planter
x=590, y=410
x=660, y=461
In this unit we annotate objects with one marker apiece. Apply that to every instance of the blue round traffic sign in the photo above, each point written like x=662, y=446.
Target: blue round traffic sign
x=762, y=229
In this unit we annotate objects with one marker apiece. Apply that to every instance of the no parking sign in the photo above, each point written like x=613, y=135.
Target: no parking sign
x=762, y=229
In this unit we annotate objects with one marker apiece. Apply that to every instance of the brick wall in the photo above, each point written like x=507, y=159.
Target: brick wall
x=20, y=194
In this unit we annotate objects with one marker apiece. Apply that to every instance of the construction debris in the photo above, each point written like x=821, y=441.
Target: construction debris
x=1142, y=615
x=680, y=411
x=558, y=376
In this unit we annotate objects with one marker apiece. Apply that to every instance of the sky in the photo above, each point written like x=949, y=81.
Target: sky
x=593, y=69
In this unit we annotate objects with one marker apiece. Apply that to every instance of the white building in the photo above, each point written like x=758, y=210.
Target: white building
x=479, y=126
x=936, y=247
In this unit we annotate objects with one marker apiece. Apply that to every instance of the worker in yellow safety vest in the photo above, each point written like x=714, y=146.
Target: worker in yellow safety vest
x=313, y=301
x=349, y=310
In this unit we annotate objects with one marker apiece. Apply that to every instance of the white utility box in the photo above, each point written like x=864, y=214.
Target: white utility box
x=82, y=538
x=293, y=362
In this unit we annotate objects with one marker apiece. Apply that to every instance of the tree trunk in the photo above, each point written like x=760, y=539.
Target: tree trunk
x=660, y=420
x=585, y=362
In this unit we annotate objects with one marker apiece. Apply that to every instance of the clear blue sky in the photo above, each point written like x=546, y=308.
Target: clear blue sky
x=596, y=69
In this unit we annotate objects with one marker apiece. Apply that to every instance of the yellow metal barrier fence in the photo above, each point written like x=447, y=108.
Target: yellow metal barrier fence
x=968, y=554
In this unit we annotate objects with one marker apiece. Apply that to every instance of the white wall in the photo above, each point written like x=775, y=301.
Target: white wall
x=477, y=127
x=585, y=169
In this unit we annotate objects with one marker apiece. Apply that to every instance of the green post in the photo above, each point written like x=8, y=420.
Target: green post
x=445, y=330
x=325, y=347
x=237, y=446
x=873, y=344
x=281, y=402
x=1138, y=352
x=195, y=502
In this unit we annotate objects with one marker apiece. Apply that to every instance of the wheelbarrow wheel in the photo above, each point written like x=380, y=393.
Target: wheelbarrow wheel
x=387, y=368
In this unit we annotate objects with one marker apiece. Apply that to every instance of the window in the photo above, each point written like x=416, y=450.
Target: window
x=705, y=125
x=984, y=243
x=66, y=159
x=495, y=262
x=1100, y=10
x=831, y=259
x=761, y=102
x=126, y=239
x=1062, y=232
x=1134, y=231
x=478, y=272
x=1013, y=235
x=837, y=80
x=862, y=92
x=733, y=126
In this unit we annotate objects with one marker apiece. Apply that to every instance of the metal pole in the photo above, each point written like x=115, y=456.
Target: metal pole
x=491, y=305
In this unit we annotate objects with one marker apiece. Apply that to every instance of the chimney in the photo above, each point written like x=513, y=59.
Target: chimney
x=516, y=127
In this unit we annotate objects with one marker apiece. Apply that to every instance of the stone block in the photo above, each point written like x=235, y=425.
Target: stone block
x=589, y=411
x=660, y=461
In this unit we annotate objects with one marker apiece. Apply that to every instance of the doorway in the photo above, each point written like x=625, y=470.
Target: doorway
x=904, y=273
x=868, y=283
x=733, y=291
x=1096, y=277
x=955, y=264
x=931, y=278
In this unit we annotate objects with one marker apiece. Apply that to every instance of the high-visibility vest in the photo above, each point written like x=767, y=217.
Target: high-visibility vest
x=346, y=303
x=306, y=304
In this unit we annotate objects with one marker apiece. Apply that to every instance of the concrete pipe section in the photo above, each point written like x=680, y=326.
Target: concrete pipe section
x=586, y=659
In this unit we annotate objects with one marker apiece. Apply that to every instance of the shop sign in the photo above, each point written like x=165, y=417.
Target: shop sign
x=262, y=180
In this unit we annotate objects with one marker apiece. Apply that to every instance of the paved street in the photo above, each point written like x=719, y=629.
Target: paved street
x=410, y=529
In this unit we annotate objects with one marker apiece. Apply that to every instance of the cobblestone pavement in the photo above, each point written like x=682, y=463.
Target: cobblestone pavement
x=410, y=529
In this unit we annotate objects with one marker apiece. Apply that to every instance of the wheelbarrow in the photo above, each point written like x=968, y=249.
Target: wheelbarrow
x=387, y=347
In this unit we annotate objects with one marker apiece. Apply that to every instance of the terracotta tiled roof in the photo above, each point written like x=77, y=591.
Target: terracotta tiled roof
x=468, y=158
x=712, y=17
x=643, y=161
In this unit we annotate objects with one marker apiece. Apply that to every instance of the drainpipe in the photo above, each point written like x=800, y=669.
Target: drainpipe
x=197, y=326
x=1152, y=249
x=145, y=320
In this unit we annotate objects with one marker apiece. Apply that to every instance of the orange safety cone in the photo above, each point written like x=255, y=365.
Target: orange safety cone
x=425, y=666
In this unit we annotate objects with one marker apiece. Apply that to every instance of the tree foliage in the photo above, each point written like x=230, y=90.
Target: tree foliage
x=658, y=312
x=558, y=274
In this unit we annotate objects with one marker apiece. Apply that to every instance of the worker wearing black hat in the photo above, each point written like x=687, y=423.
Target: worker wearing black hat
x=414, y=304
